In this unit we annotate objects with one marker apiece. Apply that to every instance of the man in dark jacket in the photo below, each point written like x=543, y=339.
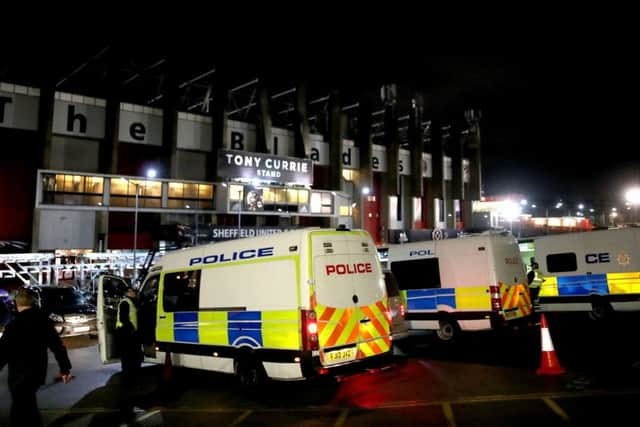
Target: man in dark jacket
x=128, y=338
x=23, y=346
x=130, y=347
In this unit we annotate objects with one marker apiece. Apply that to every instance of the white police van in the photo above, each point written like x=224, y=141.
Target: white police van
x=288, y=306
x=475, y=282
x=596, y=271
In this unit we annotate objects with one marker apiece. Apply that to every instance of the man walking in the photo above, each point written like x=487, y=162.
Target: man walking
x=130, y=348
x=23, y=346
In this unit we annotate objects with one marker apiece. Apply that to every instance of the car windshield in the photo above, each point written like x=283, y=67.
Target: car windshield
x=52, y=299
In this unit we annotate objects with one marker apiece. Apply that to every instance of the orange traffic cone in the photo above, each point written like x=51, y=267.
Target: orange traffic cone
x=167, y=371
x=549, y=364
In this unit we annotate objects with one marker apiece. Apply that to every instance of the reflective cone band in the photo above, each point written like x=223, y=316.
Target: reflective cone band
x=549, y=364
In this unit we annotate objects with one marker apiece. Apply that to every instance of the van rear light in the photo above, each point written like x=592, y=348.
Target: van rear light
x=402, y=311
x=309, y=330
x=496, y=302
x=312, y=328
x=389, y=315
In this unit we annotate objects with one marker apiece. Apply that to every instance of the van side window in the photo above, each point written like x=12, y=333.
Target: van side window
x=417, y=274
x=181, y=291
x=393, y=290
x=558, y=263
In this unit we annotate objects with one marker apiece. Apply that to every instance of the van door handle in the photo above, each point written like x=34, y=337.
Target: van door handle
x=365, y=320
x=162, y=317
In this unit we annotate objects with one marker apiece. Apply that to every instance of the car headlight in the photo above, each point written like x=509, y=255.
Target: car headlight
x=56, y=318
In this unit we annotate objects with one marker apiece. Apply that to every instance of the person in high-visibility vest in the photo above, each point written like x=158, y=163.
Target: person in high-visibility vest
x=535, y=280
x=130, y=348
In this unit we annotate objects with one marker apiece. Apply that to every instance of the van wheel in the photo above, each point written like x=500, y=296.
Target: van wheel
x=600, y=310
x=250, y=373
x=448, y=330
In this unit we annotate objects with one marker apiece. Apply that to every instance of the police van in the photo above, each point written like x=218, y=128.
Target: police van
x=287, y=307
x=596, y=271
x=475, y=282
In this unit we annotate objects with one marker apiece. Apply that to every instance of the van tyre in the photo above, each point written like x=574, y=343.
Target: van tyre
x=250, y=373
x=600, y=310
x=448, y=329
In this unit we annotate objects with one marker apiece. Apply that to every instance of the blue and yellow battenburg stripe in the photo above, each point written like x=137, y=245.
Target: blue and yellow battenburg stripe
x=256, y=329
x=590, y=284
x=471, y=298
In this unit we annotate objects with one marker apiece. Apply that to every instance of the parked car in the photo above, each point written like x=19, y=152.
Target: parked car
x=69, y=310
x=399, y=327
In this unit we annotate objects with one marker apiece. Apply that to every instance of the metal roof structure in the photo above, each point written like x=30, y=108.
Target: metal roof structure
x=144, y=72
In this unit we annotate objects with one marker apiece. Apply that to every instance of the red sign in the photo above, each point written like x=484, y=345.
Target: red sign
x=361, y=267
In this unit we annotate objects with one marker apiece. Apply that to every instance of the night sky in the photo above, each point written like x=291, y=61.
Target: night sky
x=564, y=131
x=558, y=120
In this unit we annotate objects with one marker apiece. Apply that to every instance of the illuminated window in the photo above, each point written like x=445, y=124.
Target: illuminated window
x=292, y=196
x=348, y=174
x=94, y=184
x=205, y=191
x=123, y=193
x=190, y=196
x=235, y=192
x=119, y=186
x=303, y=196
x=327, y=203
x=72, y=189
x=190, y=191
x=321, y=203
x=176, y=189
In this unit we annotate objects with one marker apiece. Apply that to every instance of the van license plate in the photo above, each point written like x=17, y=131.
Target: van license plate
x=338, y=356
x=81, y=329
x=510, y=314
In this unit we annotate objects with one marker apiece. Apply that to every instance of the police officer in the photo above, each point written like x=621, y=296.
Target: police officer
x=23, y=346
x=130, y=349
x=128, y=337
x=535, y=280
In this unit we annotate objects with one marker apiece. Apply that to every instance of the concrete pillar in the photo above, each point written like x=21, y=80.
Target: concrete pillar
x=45, y=123
x=416, y=147
x=391, y=181
x=264, y=134
x=473, y=153
x=436, y=185
x=336, y=133
x=365, y=173
x=109, y=148
x=455, y=151
x=218, y=124
x=170, y=122
x=302, y=142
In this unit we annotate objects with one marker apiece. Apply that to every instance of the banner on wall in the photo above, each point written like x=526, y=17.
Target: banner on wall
x=19, y=106
x=265, y=167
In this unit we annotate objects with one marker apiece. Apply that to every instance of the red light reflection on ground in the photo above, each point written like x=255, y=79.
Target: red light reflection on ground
x=378, y=388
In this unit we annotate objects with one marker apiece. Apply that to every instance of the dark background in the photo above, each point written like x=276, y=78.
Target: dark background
x=558, y=116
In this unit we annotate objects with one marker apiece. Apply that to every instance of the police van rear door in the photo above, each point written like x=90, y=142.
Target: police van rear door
x=350, y=301
x=510, y=278
x=111, y=289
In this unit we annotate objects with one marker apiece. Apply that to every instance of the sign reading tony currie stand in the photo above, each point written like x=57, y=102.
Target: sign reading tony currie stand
x=266, y=167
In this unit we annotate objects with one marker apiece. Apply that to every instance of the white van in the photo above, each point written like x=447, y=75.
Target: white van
x=475, y=282
x=288, y=306
x=595, y=271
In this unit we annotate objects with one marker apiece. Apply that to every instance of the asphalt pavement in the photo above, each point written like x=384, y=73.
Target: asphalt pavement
x=486, y=378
